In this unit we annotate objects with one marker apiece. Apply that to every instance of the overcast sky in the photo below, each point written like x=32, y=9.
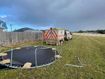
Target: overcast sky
x=74, y=14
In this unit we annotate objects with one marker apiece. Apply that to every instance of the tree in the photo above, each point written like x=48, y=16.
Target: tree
x=101, y=31
x=80, y=31
x=3, y=24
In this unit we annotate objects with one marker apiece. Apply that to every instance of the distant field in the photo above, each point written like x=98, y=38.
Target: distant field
x=90, y=50
x=90, y=34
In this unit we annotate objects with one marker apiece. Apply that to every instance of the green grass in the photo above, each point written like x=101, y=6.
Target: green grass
x=90, y=50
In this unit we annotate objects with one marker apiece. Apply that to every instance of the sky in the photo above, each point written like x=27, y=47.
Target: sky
x=41, y=14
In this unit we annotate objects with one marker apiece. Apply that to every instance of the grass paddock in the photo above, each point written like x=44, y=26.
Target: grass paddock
x=90, y=50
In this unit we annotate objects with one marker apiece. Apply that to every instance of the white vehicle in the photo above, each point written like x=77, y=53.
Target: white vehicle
x=68, y=35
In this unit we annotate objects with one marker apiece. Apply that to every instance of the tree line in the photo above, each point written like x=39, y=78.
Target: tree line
x=92, y=31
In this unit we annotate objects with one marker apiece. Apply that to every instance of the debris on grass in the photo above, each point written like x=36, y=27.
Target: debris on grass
x=79, y=66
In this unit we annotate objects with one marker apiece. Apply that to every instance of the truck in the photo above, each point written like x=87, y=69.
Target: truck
x=56, y=36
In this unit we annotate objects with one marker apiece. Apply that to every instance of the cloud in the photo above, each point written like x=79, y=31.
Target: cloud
x=74, y=13
x=3, y=16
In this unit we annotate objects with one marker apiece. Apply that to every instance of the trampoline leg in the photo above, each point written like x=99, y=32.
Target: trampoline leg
x=55, y=54
x=36, y=57
x=11, y=57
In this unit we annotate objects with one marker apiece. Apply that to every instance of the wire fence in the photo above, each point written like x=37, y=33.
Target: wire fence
x=7, y=38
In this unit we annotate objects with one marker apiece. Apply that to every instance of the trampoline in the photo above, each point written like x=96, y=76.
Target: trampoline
x=28, y=57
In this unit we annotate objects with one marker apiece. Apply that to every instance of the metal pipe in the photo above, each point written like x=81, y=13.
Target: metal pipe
x=36, y=57
x=55, y=54
x=11, y=57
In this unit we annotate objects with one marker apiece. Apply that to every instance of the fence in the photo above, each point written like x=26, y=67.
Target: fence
x=7, y=38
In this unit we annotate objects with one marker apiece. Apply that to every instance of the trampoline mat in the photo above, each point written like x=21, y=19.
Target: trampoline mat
x=36, y=55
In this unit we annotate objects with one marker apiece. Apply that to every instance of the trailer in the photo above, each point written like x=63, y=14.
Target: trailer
x=56, y=36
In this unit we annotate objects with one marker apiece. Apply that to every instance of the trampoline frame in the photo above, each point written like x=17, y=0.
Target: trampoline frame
x=17, y=67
